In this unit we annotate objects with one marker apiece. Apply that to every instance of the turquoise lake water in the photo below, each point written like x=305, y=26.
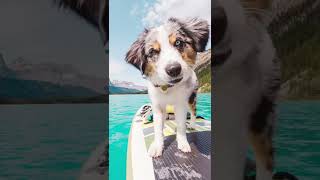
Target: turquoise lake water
x=52, y=141
x=49, y=142
x=297, y=140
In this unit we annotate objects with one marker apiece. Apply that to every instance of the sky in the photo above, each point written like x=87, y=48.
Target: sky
x=40, y=32
x=129, y=18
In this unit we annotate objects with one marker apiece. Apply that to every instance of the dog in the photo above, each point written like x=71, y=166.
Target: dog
x=246, y=78
x=165, y=55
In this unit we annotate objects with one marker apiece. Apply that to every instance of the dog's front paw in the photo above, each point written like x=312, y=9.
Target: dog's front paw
x=155, y=149
x=191, y=125
x=183, y=145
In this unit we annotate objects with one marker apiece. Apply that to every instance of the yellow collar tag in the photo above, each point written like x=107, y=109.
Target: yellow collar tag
x=164, y=88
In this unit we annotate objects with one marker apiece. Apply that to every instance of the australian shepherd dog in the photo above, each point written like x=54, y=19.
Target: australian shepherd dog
x=165, y=55
x=246, y=79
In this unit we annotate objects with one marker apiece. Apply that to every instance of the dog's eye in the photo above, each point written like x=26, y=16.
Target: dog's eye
x=178, y=43
x=152, y=52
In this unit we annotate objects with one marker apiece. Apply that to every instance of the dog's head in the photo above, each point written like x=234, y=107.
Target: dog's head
x=237, y=28
x=166, y=54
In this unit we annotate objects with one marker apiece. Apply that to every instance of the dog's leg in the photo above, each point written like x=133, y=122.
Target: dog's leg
x=156, y=147
x=260, y=135
x=193, y=111
x=181, y=117
x=262, y=146
x=230, y=134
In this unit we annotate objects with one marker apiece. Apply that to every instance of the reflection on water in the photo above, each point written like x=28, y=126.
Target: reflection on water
x=297, y=139
x=49, y=141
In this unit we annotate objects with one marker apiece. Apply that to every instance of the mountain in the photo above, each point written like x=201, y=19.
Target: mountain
x=294, y=30
x=25, y=82
x=62, y=74
x=203, y=70
x=128, y=85
x=124, y=88
x=120, y=90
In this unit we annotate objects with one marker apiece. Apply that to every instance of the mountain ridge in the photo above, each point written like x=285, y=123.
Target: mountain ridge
x=22, y=83
x=62, y=74
x=114, y=89
x=295, y=35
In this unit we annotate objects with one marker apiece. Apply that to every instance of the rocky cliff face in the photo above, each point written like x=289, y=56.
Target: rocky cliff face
x=203, y=60
x=203, y=71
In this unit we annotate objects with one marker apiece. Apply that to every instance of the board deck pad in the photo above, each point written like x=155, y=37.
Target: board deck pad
x=175, y=164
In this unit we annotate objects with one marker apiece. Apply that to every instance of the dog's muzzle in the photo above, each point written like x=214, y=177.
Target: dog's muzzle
x=173, y=70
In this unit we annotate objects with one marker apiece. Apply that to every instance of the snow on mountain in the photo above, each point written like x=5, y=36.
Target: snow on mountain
x=128, y=85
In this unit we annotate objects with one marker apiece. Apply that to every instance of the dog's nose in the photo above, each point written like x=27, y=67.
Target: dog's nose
x=220, y=23
x=173, y=70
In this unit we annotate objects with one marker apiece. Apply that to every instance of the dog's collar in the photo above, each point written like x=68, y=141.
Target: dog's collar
x=221, y=58
x=163, y=88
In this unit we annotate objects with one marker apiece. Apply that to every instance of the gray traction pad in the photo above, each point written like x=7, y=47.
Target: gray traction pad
x=175, y=164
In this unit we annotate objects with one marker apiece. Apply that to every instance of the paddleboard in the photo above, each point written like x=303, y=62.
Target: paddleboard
x=173, y=164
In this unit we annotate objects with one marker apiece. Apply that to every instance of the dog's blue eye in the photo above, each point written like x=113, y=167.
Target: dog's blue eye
x=178, y=43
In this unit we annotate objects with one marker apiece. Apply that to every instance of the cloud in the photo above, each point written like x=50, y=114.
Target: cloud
x=116, y=68
x=135, y=10
x=161, y=10
x=119, y=70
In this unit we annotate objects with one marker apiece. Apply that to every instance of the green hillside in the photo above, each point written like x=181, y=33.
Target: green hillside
x=204, y=77
x=203, y=71
x=296, y=38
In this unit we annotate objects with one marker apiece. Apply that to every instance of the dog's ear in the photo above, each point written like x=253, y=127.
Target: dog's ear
x=197, y=29
x=136, y=54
